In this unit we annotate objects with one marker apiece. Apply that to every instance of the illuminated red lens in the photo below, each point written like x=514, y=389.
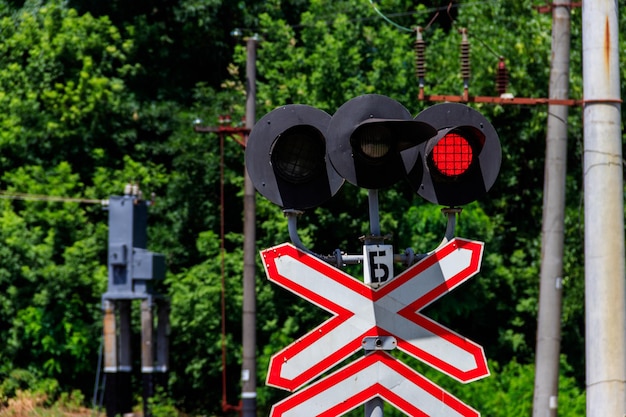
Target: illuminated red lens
x=452, y=155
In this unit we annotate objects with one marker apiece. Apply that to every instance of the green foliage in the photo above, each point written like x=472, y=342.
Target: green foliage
x=196, y=320
x=506, y=392
x=96, y=94
x=20, y=380
x=62, y=86
x=71, y=402
x=51, y=278
x=161, y=405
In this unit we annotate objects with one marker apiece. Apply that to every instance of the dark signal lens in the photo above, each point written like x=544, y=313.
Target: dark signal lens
x=298, y=154
x=452, y=156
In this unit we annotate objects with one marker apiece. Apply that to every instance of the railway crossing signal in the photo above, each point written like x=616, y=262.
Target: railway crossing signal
x=298, y=157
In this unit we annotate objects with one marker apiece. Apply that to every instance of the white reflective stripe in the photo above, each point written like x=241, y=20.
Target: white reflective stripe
x=124, y=368
x=147, y=369
x=160, y=368
x=248, y=395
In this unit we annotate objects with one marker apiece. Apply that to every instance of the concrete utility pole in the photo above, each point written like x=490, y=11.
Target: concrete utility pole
x=248, y=371
x=552, y=234
x=605, y=295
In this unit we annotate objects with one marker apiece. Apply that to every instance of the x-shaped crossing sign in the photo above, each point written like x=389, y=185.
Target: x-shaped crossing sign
x=360, y=311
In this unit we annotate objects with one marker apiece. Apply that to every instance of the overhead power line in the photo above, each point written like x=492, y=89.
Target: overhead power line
x=400, y=27
x=13, y=195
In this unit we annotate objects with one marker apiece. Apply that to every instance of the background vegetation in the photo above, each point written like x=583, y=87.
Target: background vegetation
x=95, y=94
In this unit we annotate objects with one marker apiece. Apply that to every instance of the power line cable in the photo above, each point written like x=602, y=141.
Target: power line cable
x=400, y=27
x=13, y=195
x=436, y=10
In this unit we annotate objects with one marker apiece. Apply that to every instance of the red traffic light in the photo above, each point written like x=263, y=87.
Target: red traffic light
x=462, y=161
x=286, y=157
x=452, y=156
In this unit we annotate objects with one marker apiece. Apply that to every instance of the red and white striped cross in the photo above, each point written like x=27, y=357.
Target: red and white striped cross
x=360, y=311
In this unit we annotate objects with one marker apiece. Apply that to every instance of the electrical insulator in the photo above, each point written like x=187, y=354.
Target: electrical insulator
x=420, y=60
x=465, y=58
x=502, y=77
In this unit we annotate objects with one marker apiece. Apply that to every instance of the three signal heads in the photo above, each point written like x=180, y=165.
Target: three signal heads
x=298, y=156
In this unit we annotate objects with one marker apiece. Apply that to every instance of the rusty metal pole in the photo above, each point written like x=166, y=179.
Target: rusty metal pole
x=110, y=337
x=117, y=357
x=110, y=357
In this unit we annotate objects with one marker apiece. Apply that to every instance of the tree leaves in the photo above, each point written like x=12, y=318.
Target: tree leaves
x=97, y=94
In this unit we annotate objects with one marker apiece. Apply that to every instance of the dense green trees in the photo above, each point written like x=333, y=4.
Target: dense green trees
x=96, y=94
